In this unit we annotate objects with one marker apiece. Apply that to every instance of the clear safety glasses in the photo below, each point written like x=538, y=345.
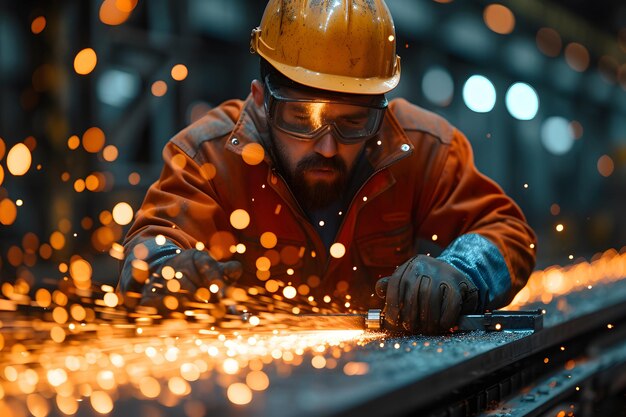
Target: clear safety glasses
x=306, y=117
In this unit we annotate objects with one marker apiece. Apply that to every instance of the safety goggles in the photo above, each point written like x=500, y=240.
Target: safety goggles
x=305, y=117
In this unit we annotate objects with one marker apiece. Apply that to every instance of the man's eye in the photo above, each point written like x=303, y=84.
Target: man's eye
x=353, y=122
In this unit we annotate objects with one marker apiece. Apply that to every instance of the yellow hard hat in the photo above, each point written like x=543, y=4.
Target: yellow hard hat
x=347, y=46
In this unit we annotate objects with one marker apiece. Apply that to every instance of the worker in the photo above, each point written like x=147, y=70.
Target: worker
x=318, y=182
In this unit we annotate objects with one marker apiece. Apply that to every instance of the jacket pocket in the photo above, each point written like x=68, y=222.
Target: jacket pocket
x=386, y=249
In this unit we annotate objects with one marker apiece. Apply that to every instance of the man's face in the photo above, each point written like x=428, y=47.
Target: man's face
x=317, y=137
x=317, y=170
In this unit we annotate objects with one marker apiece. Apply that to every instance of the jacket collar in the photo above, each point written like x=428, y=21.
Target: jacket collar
x=251, y=127
x=390, y=145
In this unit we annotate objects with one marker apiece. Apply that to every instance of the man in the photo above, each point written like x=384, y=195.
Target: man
x=318, y=183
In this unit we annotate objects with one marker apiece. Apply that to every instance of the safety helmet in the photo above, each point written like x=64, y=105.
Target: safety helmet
x=347, y=46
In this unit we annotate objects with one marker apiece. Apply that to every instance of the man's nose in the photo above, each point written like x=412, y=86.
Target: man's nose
x=326, y=144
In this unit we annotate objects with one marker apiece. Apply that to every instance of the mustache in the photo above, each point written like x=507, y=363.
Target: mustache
x=317, y=161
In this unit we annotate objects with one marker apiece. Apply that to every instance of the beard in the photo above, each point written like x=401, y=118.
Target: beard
x=314, y=194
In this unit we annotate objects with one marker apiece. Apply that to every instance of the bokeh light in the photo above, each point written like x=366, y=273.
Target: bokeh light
x=268, y=240
x=605, y=165
x=85, y=61
x=134, y=178
x=438, y=86
x=479, y=94
x=93, y=139
x=289, y=292
x=126, y=5
x=57, y=240
x=38, y=25
x=8, y=212
x=149, y=387
x=239, y=393
x=522, y=101
x=122, y=213
x=337, y=250
x=499, y=19
x=159, y=88
x=208, y=171
x=19, y=159
x=80, y=270
x=117, y=87
x=115, y=12
x=110, y=153
x=239, y=219
x=577, y=56
x=253, y=153
x=73, y=142
x=556, y=135
x=257, y=380
x=101, y=402
x=549, y=42
x=179, y=72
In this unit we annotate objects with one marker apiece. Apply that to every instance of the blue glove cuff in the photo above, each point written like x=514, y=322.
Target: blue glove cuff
x=483, y=264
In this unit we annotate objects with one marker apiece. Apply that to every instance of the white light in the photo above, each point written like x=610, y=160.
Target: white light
x=522, y=101
x=118, y=88
x=438, y=86
x=556, y=135
x=479, y=94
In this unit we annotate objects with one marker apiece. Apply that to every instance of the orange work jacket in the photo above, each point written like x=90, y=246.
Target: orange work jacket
x=424, y=188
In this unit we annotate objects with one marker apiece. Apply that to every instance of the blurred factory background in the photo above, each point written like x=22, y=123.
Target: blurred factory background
x=92, y=90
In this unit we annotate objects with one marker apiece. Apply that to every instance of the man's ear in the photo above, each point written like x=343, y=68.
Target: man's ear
x=258, y=90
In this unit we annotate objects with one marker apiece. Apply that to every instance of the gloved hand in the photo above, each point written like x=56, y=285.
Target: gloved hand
x=426, y=295
x=199, y=270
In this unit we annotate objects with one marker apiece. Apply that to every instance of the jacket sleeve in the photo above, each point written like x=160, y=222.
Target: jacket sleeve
x=484, y=232
x=179, y=210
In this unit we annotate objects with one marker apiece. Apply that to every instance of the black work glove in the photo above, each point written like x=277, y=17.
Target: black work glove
x=199, y=270
x=426, y=295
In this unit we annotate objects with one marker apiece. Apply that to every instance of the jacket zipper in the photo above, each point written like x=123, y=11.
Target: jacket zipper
x=300, y=211
x=357, y=193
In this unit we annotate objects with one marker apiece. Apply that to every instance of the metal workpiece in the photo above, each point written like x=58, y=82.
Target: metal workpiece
x=374, y=321
x=501, y=320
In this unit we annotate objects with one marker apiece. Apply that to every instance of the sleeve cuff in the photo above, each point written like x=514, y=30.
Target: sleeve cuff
x=482, y=263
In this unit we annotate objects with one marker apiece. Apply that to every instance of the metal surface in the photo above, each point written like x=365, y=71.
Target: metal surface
x=594, y=310
x=555, y=387
x=397, y=375
x=423, y=371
